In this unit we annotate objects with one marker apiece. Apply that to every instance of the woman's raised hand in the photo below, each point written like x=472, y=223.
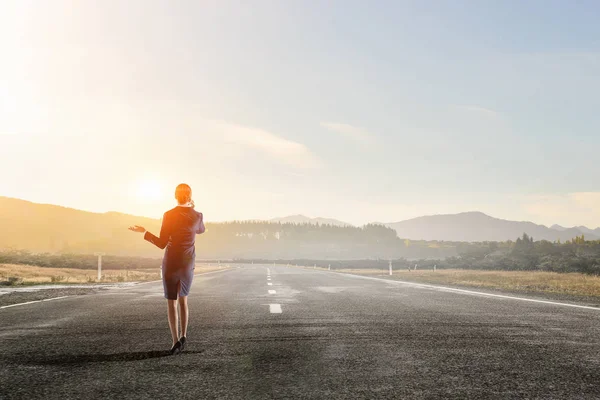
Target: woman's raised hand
x=137, y=228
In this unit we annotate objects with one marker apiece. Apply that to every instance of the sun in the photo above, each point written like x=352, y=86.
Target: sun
x=149, y=190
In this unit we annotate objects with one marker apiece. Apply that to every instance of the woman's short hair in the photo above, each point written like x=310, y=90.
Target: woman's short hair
x=183, y=193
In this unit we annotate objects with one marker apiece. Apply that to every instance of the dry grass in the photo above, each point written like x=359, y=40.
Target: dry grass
x=516, y=281
x=28, y=274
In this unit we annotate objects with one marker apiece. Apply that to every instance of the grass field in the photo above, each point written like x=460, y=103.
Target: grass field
x=16, y=274
x=574, y=284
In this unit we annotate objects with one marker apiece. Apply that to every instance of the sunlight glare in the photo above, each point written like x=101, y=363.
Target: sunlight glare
x=149, y=190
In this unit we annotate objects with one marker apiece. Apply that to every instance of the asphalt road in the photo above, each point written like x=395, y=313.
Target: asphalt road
x=318, y=335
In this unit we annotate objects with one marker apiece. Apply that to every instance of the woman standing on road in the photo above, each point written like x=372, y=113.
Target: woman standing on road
x=178, y=234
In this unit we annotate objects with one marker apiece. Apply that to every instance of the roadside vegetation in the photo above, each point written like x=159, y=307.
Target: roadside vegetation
x=21, y=274
x=77, y=261
x=532, y=282
x=524, y=254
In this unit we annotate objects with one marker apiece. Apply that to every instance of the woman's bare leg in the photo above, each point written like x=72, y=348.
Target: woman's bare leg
x=172, y=312
x=184, y=314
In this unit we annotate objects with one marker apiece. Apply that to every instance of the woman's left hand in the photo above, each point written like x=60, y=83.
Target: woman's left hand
x=137, y=228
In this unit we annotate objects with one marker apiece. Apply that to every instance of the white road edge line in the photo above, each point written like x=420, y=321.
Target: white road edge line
x=270, y=284
x=63, y=297
x=272, y=292
x=275, y=308
x=449, y=289
x=35, y=301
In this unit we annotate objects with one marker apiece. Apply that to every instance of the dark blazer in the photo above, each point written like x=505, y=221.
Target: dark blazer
x=178, y=235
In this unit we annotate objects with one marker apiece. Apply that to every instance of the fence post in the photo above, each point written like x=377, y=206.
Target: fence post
x=99, y=264
x=390, y=267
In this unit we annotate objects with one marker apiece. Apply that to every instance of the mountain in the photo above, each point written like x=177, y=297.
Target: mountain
x=50, y=228
x=558, y=227
x=477, y=226
x=588, y=231
x=301, y=219
x=56, y=229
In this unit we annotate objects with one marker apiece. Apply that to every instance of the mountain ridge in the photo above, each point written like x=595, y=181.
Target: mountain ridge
x=55, y=228
x=475, y=226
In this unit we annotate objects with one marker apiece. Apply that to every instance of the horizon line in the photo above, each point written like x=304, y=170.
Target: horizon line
x=303, y=215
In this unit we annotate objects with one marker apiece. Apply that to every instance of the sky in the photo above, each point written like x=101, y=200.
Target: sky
x=360, y=111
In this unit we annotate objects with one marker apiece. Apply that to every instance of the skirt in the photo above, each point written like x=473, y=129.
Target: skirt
x=177, y=276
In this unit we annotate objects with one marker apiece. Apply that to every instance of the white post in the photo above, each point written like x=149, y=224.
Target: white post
x=329, y=267
x=434, y=267
x=99, y=265
x=415, y=267
x=390, y=267
x=315, y=266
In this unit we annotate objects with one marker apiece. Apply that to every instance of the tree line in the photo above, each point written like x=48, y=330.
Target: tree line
x=371, y=246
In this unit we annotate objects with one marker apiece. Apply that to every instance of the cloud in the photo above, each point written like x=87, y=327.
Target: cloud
x=482, y=111
x=571, y=209
x=283, y=150
x=349, y=131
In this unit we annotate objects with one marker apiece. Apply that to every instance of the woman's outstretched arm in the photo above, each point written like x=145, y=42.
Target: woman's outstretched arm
x=161, y=241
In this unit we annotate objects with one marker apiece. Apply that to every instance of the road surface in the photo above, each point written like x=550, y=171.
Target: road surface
x=277, y=332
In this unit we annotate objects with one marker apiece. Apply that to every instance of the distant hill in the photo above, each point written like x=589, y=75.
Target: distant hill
x=50, y=228
x=588, y=231
x=558, y=227
x=56, y=229
x=301, y=219
x=477, y=226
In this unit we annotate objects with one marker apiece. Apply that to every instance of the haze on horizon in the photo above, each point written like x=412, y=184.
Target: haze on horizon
x=343, y=110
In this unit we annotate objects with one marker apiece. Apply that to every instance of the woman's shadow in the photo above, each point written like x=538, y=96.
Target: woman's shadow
x=115, y=357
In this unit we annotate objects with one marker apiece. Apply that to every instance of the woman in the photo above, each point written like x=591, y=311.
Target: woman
x=178, y=234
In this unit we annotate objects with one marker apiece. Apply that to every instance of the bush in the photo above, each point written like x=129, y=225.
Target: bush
x=57, y=278
x=14, y=281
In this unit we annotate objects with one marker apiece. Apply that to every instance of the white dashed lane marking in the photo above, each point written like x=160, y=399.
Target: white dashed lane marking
x=270, y=284
x=272, y=292
x=275, y=308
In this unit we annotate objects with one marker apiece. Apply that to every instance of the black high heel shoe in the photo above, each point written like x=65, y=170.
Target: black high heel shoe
x=182, y=341
x=176, y=349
